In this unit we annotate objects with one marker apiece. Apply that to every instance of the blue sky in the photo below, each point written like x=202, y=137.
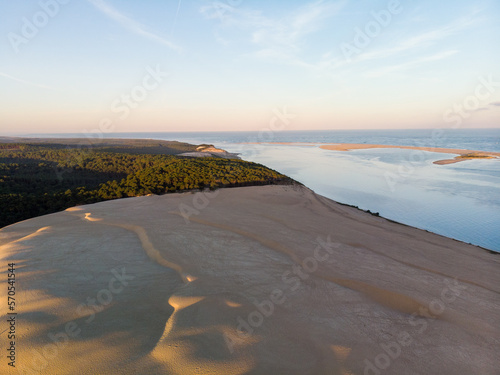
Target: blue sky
x=70, y=65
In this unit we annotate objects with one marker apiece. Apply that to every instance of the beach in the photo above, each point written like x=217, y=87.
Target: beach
x=462, y=154
x=250, y=188
x=254, y=280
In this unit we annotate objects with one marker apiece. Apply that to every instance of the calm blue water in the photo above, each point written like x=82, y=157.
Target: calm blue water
x=459, y=200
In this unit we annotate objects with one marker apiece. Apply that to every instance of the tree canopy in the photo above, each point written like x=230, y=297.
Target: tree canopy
x=42, y=178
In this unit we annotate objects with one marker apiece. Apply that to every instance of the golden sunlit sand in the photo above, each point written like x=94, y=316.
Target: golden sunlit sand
x=254, y=280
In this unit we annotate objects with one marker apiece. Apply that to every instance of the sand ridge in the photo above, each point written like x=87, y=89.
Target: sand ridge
x=245, y=287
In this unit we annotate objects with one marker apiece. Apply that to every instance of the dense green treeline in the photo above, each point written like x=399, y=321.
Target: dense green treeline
x=37, y=179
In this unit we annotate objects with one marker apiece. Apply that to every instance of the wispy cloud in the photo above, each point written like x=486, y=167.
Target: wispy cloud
x=275, y=38
x=422, y=40
x=130, y=24
x=406, y=48
x=412, y=64
x=8, y=76
x=290, y=31
x=283, y=40
x=489, y=107
x=175, y=18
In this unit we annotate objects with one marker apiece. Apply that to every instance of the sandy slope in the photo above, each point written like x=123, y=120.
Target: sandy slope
x=259, y=280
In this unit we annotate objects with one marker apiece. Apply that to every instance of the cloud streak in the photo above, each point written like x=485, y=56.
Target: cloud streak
x=8, y=76
x=425, y=39
x=130, y=24
x=175, y=18
x=281, y=40
x=405, y=48
x=412, y=64
x=282, y=35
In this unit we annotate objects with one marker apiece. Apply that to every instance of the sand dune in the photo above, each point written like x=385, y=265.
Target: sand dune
x=256, y=280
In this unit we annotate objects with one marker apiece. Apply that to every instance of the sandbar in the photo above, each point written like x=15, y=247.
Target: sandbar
x=462, y=154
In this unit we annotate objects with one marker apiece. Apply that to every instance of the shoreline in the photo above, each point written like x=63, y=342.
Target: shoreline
x=462, y=154
x=205, y=150
x=295, y=186
x=376, y=214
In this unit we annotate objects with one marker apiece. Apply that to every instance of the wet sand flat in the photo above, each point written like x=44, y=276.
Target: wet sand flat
x=462, y=154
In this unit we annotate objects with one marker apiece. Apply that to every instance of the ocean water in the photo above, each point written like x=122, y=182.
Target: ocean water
x=460, y=200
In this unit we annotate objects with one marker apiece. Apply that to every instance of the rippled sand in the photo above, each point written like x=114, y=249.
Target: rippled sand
x=255, y=280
